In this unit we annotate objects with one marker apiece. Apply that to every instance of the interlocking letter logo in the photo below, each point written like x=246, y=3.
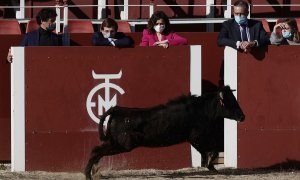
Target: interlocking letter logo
x=105, y=103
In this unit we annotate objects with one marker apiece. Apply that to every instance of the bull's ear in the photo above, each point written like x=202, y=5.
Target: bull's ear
x=233, y=90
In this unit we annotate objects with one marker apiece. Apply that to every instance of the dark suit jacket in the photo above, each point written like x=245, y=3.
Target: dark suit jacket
x=122, y=40
x=32, y=39
x=230, y=33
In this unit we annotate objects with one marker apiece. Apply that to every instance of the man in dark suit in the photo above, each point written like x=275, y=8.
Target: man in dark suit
x=44, y=35
x=242, y=33
x=109, y=35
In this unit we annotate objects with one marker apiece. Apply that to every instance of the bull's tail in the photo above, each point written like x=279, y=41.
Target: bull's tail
x=102, y=134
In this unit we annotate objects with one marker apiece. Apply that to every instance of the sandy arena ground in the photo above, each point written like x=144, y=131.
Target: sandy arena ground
x=187, y=174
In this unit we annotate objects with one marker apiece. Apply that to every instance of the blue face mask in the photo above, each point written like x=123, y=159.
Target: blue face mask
x=286, y=34
x=240, y=19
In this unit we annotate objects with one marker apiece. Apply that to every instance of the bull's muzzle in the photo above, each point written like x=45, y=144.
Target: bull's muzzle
x=241, y=117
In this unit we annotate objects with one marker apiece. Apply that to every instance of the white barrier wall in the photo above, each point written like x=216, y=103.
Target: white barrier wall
x=230, y=126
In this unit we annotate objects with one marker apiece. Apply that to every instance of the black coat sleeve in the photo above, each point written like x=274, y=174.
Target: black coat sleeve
x=122, y=40
x=24, y=41
x=264, y=38
x=225, y=37
x=99, y=40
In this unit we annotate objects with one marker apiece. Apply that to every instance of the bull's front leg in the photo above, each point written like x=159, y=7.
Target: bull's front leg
x=200, y=144
x=207, y=159
x=211, y=156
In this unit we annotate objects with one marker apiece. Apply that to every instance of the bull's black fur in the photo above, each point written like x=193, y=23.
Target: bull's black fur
x=187, y=118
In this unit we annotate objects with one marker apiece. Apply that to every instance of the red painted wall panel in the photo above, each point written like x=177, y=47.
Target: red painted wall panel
x=57, y=86
x=5, y=43
x=212, y=54
x=270, y=97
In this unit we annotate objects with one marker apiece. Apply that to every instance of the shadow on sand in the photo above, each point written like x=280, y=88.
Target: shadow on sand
x=198, y=173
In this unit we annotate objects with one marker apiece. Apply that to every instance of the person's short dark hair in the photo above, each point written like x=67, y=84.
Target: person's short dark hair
x=157, y=16
x=109, y=23
x=242, y=3
x=45, y=14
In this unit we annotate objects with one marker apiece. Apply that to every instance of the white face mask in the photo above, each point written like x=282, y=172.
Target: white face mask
x=159, y=28
x=106, y=35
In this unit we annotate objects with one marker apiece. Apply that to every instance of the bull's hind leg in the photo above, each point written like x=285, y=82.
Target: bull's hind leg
x=95, y=157
x=97, y=153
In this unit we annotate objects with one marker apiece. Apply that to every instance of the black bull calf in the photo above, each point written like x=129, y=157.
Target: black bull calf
x=187, y=118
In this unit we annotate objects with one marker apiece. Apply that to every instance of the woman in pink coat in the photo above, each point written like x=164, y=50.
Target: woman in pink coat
x=158, y=32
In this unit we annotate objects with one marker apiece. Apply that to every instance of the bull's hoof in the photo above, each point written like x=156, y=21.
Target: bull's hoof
x=212, y=168
x=88, y=175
